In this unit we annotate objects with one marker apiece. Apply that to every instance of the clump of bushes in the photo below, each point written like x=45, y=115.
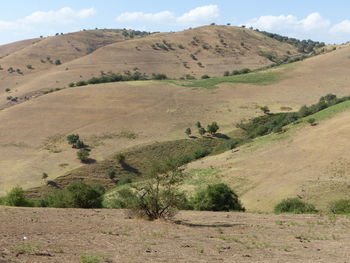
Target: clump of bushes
x=237, y=72
x=16, y=197
x=295, y=206
x=340, y=206
x=217, y=197
x=76, y=195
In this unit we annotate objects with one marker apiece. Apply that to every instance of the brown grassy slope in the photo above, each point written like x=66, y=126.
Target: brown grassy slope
x=313, y=164
x=62, y=235
x=32, y=134
x=7, y=49
x=217, y=48
x=65, y=47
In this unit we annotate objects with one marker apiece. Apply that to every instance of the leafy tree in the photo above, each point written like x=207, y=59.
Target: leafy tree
x=159, y=195
x=198, y=125
x=79, y=144
x=188, y=131
x=83, y=195
x=120, y=158
x=217, y=197
x=72, y=138
x=213, y=128
x=83, y=155
x=202, y=131
x=58, y=62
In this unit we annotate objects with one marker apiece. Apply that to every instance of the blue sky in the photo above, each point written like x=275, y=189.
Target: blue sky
x=329, y=22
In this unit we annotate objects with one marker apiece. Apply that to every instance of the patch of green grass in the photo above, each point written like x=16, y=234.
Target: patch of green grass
x=263, y=77
x=28, y=248
x=87, y=258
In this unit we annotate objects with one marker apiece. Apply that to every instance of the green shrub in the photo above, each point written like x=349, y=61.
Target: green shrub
x=295, y=206
x=120, y=157
x=217, y=197
x=159, y=76
x=205, y=77
x=340, y=206
x=200, y=153
x=83, y=155
x=312, y=121
x=16, y=197
x=72, y=138
x=76, y=195
x=111, y=174
x=159, y=195
x=213, y=128
x=125, y=180
x=86, y=258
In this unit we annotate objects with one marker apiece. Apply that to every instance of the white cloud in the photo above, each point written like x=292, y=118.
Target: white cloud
x=160, y=17
x=312, y=22
x=313, y=26
x=62, y=16
x=341, y=28
x=198, y=16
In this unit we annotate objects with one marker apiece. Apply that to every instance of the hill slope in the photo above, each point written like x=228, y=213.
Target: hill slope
x=309, y=162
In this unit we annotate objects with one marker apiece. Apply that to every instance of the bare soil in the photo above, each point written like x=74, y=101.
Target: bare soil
x=62, y=235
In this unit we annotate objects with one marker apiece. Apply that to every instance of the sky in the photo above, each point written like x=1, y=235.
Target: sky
x=317, y=20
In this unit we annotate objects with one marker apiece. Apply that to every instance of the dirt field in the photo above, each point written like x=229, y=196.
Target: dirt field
x=64, y=235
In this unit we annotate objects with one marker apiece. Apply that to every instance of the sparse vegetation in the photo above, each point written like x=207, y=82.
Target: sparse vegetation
x=218, y=197
x=295, y=206
x=340, y=206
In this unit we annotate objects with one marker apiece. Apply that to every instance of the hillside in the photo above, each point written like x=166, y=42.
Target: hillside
x=207, y=50
x=33, y=139
x=309, y=162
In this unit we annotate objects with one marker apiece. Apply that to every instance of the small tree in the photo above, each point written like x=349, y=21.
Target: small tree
x=198, y=125
x=159, y=196
x=188, y=131
x=265, y=110
x=202, y=131
x=79, y=144
x=58, y=62
x=72, y=138
x=213, y=128
x=44, y=176
x=83, y=155
x=120, y=158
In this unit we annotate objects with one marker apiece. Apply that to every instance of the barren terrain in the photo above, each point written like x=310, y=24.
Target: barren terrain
x=61, y=235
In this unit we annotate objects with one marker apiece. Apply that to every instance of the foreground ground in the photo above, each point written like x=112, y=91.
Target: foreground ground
x=54, y=235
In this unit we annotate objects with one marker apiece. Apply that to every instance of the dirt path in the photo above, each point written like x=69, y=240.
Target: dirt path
x=54, y=235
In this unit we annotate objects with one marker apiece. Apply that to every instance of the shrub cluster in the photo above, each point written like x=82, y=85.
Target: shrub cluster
x=237, y=72
x=76, y=195
x=295, y=206
x=266, y=124
x=106, y=78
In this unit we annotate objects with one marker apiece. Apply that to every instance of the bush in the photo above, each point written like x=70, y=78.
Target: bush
x=158, y=76
x=16, y=197
x=200, y=153
x=218, y=197
x=125, y=180
x=111, y=174
x=312, y=121
x=159, y=195
x=205, y=77
x=340, y=206
x=72, y=138
x=213, y=128
x=120, y=158
x=76, y=195
x=295, y=206
x=83, y=155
